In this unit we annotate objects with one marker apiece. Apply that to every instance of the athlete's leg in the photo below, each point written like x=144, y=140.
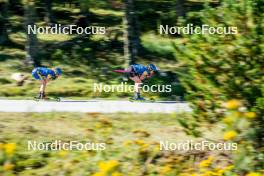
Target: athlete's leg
x=42, y=88
x=36, y=76
x=138, y=83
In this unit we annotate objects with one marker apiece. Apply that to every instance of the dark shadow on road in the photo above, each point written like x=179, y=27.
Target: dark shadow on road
x=78, y=101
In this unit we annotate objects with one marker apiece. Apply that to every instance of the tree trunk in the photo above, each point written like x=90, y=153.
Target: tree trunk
x=131, y=36
x=3, y=23
x=180, y=8
x=83, y=20
x=32, y=48
x=49, y=18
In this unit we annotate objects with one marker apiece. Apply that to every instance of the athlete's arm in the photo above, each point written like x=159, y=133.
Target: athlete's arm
x=49, y=77
x=43, y=86
x=150, y=75
x=145, y=75
x=142, y=77
x=41, y=75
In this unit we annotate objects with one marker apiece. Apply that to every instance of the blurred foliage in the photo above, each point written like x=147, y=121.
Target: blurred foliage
x=132, y=146
x=215, y=68
x=224, y=66
x=221, y=75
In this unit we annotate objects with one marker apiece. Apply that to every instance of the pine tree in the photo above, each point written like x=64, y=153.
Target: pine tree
x=49, y=17
x=131, y=35
x=4, y=39
x=220, y=67
x=32, y=46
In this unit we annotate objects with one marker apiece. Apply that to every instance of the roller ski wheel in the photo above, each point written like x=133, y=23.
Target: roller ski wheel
x=141, y=100
x=57, y=99
x=152, y=99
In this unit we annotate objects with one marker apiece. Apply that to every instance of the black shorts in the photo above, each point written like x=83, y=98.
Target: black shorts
x=133, y=73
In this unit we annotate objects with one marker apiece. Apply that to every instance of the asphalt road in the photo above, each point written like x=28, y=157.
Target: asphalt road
x=102, y=106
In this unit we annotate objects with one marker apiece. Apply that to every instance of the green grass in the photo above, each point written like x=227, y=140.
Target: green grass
x=54, y=38
x=84, y=62
x=131, y=139
x=105, y=12
x=82, y=66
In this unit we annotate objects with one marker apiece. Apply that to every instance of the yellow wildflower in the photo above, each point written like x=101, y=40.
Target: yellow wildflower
x=127, y=143
x=220, y=172
x=139, y=142
x=144, y=147
x=156, y=148
x=117, y=174
x=250, y=115
x=99, y=174
x=208, y=173
x=108, y=165
x=98, y=125
x=10, y=148
x=63, y=153
x=210, y=158
x=202, y=170
x=233, y=104
x=229, y=120
x=165, y=169
x=228, y=168
x=8, y=166
x=194, y=174
x=205, y=163
x=253, y=174
x=230, y=135
x=184, y=174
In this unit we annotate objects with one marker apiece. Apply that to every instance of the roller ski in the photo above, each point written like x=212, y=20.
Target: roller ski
x=138, y=98
x=42, y=97
x=57, y=99
x=132, y=99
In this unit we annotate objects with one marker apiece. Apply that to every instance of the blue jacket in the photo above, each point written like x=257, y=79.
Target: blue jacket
x=140, y=69
x=43, y=73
